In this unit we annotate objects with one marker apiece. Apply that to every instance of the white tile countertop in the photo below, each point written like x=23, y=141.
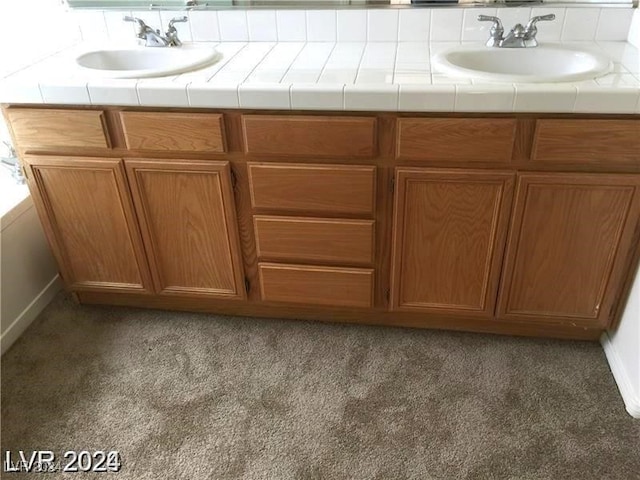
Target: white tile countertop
x=374, y=76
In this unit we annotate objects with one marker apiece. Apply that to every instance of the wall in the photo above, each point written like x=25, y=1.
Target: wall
x=634, y=30
x=622, y=348
x=37, y=28
x=28, y=275
x=438, y=24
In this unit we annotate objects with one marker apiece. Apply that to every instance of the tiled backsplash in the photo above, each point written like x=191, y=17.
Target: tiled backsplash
x=28, y=37
x=441, y=24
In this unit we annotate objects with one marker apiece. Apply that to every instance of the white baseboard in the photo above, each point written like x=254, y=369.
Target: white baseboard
x=630, y=397
x=30, y=313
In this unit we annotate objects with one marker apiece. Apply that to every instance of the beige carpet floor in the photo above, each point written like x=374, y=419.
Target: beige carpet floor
x=190, y=396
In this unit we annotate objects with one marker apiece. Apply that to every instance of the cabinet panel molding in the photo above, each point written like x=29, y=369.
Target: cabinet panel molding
x=180, y=132
x=449, y=234
x=587, y=141
x=89, y=220
x=188, y=220
x=315, y=285
x=314, y=239
x=328, y=189
x=569, y=246
x=486, y=140
x=311, y=136
x=44, y=129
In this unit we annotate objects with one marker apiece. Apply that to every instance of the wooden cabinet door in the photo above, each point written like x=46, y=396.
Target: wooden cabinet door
x=88, y=217
x=187, y=214
x=570, y=244
x=449, y=234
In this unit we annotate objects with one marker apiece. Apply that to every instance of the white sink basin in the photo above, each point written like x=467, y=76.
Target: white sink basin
x=544, y=63
x=137, y=62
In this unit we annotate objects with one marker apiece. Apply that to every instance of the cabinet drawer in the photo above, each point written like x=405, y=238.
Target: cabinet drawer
x=339, y=189
x=184, y=132
x=587, y=141
x=314, y=239
x=332, y=286
x=55, y=129
x=488, y=140
x=314, y=136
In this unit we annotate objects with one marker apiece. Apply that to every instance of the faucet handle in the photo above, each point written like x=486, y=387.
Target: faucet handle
x=172, y=32
x=177, y=20
x=496, y=32
x=141, y=26
x=129, y=18
x=497, y=23
x=531, y=25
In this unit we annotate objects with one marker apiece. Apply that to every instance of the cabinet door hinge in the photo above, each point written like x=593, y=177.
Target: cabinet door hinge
x=234, y=179
x=392, y=184
x=25, y=173
x=387, y=295
x=247, y=285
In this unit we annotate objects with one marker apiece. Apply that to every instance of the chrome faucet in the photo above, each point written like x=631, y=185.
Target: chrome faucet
x=153, y=38
x=10, y=161
x=518, y=37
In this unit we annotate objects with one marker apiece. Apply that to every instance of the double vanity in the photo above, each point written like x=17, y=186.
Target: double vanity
x=516, y=57
x=516, y=221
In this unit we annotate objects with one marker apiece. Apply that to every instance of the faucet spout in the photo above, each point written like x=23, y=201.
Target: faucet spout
x=518, y=37
x=153, y=38
x=515, y=38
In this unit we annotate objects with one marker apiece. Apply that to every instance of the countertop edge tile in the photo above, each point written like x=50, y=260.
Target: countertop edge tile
x=267, y=96
x=606, y=100
x=426, y=98
x=317, y=96
x=207, y=95
x=545, y=98
x=484, y=98
x=371, y=97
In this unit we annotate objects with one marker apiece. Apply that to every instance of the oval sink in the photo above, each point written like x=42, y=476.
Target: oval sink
x=137, y=62
x=544, y=63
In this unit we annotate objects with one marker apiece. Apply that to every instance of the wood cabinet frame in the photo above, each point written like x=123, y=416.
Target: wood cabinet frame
x=231, y=255
x=620, y=227
x=35, y=166
x=496, y=235
x=384, y=157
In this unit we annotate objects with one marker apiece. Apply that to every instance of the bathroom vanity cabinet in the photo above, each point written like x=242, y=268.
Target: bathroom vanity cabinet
x=520, y=224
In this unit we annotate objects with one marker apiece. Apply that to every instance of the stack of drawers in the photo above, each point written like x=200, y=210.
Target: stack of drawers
x=314, y=222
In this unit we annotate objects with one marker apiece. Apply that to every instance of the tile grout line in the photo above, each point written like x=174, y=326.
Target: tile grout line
x=86, y=86
x=138, y=91
x=364, y=51
x=253, y=70
x=514, y=92
x=326, y=62
x=195, y=71
x=304, y=45
x=227, y=61
x=321, y=69
x=243, y=49
x=595, y=33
